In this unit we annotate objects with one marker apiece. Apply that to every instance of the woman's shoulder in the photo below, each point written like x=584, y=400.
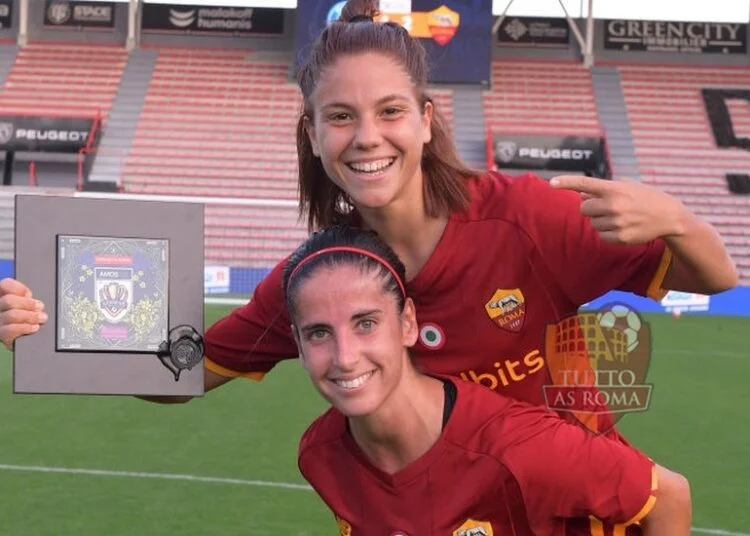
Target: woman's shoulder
x=329, y=427
x=501, y=196
x=485, y=420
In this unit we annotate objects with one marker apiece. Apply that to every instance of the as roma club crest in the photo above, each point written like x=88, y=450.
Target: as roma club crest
x=507, y=308
x=443, y=24
x=472, y=527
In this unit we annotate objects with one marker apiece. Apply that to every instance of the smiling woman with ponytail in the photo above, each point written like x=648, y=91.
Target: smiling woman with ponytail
x=479, y=248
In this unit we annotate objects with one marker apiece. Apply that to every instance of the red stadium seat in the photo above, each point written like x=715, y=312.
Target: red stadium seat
x=220, y=123
x=63, y=79
x=541, y=97
x=676, y=149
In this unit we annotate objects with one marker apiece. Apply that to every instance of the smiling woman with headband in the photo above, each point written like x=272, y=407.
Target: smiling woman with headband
x=402, y=452
x=490, y=260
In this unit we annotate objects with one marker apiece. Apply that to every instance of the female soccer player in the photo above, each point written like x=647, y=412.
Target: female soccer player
x=405, y=453
x=491, y=261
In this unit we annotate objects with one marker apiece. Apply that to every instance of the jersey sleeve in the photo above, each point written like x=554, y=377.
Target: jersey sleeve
x=252, y=339
x=565, y=471
x=583, y=264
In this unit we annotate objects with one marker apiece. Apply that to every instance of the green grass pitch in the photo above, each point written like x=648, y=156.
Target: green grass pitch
x=246, y=433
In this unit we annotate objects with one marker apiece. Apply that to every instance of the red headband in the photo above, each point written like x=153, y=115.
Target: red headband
x=364, y=252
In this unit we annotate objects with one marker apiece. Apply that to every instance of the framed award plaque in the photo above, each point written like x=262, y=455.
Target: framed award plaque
x=122, y=283
x=112, y=293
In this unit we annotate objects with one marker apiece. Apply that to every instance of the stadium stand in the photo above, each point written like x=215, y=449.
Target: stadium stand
x=541, y=97
x=218, y=123
x=63, y=79
x=221, y=123
x=249, y=109
x=443, y=98
x=676, y=149
x=215, y=123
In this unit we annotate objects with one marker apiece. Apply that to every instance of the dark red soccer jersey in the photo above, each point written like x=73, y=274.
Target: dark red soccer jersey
x=520, y=259
x=507, y=468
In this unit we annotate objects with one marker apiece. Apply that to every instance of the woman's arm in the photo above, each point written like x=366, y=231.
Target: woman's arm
x=700, y=262
x=672, y=512
x=631, y=213
x=211, y=381
x=566, y=472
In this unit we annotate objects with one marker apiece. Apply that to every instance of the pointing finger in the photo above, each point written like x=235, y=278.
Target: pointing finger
x=581, y=184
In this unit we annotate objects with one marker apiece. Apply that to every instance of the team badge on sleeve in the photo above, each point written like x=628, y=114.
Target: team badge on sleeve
x=507, y=308
x=472, y=527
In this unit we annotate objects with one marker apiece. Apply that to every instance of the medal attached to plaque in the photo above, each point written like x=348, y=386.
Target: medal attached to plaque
x=123, y=281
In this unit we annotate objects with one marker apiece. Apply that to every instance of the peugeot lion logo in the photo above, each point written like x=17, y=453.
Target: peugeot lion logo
x=6, y=132
x=506, y=150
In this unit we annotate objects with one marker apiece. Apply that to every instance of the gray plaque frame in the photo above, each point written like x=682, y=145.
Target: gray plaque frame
x=38, y=368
